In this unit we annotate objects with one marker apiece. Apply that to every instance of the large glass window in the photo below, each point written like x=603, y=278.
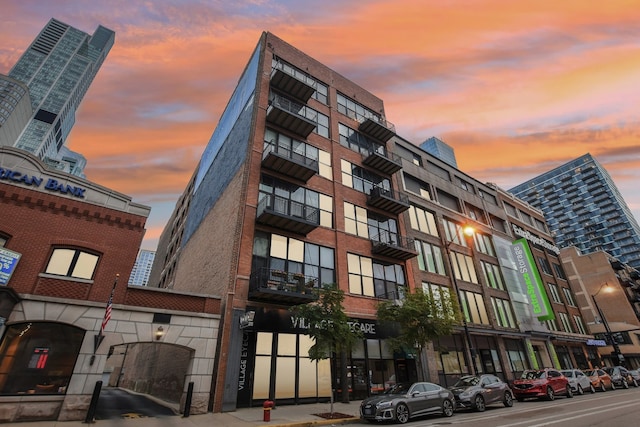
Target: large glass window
x=568, y=296
x=322, y=91
x=429, y=257
x=463, y=268
x=544, y=265
x=504, y=314
x=442, y=296
x=371, y=278
x=361, y=179
x=357, y=142
x=38, y=357
x=555, y=295
x=473, y=308
x=483, y=244
x=580, y=324
x=355, y=220
x=493, y=275
x=369, y=225
x=423, y=220
x=566, y=322
x=74, y=263
x=351, y=108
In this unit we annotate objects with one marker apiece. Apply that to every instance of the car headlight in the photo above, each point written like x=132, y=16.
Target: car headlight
x=382, y=405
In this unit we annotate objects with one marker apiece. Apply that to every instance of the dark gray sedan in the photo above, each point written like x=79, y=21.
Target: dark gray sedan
x=404, y=401
x=476, y=392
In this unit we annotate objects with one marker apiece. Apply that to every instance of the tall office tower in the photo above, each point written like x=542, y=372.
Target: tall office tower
x=441, y=150
x=15, y=109
x=584, y=208
x=58, y=68
x=142, y=268
x=299, y=187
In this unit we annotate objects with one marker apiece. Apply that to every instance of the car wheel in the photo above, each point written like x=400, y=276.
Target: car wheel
x=402, y=413
x=625, y=384
x=508, y=399
x=592, y=389
x=613, y=386
x=447, y=408
x=580, y=391
x=602, y=386
x=550, y=394
x=569, y=391
x=635, y=383
x=478, y=404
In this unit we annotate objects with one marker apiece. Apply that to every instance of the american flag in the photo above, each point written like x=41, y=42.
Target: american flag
x=107, y=313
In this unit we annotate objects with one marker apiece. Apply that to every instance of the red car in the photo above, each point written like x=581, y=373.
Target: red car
x=545, y=384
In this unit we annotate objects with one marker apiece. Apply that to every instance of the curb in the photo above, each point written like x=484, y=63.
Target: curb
x=316, y=423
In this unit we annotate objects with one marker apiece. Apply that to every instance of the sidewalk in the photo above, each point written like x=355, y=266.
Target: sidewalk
x=282, y=416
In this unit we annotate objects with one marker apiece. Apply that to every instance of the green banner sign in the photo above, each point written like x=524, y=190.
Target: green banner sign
x=530, y=280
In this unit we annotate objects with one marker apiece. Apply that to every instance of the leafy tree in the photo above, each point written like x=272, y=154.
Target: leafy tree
x=420, y=318
x=329, y=327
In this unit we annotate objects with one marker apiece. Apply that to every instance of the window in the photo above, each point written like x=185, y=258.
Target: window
x=72, y=263
x=359, y=112
x=361, y=179
x=359, y=143
x=504, y=315
x=369, y=225
x=568, y=296
x=483, y=244
x=355, y=220
x=429, y=257
x=544, y=266
x=566, y=323
x=423, y=220
x=580, y=324
x=447, y=200
x=321, y=93
x=3, y=240
x=294, y=148
x=555, y=295
x=438, y=170
x=488, y=197
x=416, y=186
x=370, y=278
x=454, y=233
x=473, y=308
x=493, y=275
x=38, y=357
x=511, y=210
x=552, y=325
x=441, y=296
x=463, y=267
x=465, y=185
x=559, y=271
x=280, y=253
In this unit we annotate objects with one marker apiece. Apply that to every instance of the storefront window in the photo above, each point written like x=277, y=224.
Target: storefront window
x=38, y=358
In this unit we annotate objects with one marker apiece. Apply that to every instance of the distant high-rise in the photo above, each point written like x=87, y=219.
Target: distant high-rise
x=440, y=149
x=58, y=68
x=584, y=208
x=15, y=109
x=142, y=268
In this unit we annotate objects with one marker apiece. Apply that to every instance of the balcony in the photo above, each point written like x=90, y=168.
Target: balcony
x=379, y=129
x=616, y=265
x=386, y=200
x=288, y=214
x=382, y=160
x=282, y=287
x=289, y=162
x=393, y=245
x=292, y=82
x=291, y=115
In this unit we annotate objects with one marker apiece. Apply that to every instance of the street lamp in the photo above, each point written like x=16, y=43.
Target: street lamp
x=468, y=231
x=608, y=334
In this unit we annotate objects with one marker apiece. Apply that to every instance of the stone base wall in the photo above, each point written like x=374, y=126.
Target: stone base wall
x=31, y=408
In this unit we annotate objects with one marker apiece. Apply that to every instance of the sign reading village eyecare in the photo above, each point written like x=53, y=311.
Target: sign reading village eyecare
x=8, y=262
x=530, y=280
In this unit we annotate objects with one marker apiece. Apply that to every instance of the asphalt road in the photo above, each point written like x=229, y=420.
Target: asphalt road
x=619, y=408
x=118, y=404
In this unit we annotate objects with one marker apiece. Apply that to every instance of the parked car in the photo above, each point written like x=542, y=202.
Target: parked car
x=543, y=383
x=476, y=392
x=600, y=379
x=620, y=376
x=578, y=381
x=635, y=374
x=404, y=401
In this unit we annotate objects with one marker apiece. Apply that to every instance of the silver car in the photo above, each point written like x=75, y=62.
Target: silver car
x=404, y=401
x=476, y=392
x=578, y=381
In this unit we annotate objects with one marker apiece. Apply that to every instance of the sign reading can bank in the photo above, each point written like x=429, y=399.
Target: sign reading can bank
x=530, y=281
x=8, y=262
x=35, y=181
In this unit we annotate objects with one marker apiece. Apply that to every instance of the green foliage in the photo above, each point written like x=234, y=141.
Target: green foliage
x=420, y=319
x=327, y=323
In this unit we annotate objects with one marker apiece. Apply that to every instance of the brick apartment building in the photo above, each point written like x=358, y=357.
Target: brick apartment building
x=63, y=242
x=305, y=182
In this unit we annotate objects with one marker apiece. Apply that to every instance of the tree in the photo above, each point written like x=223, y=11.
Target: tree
x=420, y=318
x=330, y=329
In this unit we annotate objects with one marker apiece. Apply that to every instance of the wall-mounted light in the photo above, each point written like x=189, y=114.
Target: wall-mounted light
x=159, y=333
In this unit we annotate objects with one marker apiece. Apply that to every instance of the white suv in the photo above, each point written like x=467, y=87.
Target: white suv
x=578, y=381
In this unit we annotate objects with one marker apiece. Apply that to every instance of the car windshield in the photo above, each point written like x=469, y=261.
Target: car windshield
x=568, y=374
x=609, y=370
x=533, y=375
x=467, y=381
x=401, y=388
x=591, y=373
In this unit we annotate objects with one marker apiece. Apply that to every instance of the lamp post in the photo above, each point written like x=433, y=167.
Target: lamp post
x=608, y=334
x=467, y=230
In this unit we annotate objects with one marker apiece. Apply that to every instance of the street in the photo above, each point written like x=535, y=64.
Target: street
x=611, y=408
x=118, y=404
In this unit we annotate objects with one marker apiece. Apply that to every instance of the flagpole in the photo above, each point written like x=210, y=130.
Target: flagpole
x=107, y=315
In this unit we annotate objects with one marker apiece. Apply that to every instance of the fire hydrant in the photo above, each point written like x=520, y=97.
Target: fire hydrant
x=266, y=410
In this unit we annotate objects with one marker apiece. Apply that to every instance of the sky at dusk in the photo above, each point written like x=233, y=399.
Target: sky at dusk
x=515, y=87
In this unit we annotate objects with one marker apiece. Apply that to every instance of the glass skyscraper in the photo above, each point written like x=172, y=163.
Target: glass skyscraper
x=584, y=208
x=142, y=268
x=58, y=68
